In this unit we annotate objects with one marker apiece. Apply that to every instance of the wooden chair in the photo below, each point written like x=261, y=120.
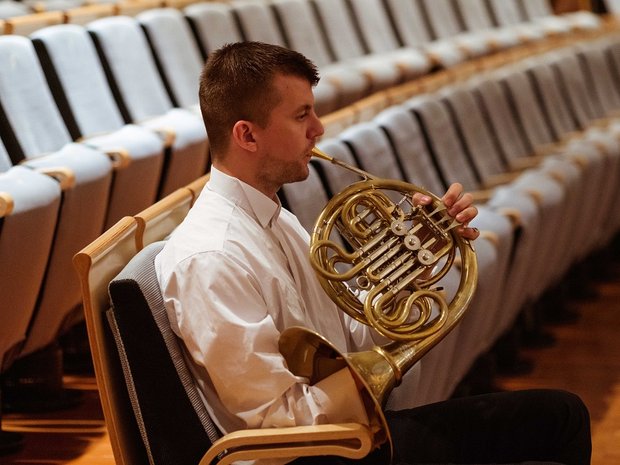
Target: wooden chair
x=159, y=220
x=139, y=423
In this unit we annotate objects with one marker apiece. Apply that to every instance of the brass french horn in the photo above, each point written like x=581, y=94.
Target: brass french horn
x=380, y=257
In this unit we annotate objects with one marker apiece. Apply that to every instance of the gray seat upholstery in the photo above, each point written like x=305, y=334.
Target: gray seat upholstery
x=508, y=14
x=161, y=373
x=40, y=127
x=35, y=137
x=542, y=11
x=347, y=46
x=302, y=32
x=214, y=25
x=29, y=204
x=613, y=6
x=124, y=50
x=381, y=40
x=445, y=23
x=81, y=219
x=411, y=24
x=176, y=51
x=477, y=19
x=555, y=200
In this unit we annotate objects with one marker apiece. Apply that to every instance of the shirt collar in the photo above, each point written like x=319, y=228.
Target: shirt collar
x=265, y=210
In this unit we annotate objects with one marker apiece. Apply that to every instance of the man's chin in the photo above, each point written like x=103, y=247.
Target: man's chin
x=302, y=175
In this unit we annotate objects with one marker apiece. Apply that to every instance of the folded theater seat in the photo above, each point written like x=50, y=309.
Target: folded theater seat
x=140, y=91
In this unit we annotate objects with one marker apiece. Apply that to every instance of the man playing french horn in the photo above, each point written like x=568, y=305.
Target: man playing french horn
x=235, y=275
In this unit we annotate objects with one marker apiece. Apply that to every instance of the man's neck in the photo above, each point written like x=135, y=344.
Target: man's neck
x=247, y=176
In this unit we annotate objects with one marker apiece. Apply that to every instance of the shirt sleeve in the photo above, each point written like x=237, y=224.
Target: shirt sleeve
x=215, y=306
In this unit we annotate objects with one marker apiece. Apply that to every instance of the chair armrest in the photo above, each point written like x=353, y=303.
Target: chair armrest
x=501, y=179
x=524, y=163
x=167, y=135
x=349, y=440
x=513, y=215
x=64, y=176
x=120, y=158
x=482, y=196
x=6, y=204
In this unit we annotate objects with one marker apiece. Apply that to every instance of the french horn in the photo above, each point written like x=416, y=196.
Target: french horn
x=380, y=257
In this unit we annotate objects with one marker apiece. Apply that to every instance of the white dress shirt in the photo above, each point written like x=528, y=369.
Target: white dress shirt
x=235, y=274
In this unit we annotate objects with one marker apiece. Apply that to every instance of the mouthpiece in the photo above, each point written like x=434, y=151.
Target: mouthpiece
x=320, y=154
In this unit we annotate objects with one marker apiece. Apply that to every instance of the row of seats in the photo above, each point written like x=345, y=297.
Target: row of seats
x=18, y=8
x=124, y=122
x=104, y=118
x=50, y=13
x=537, y=142
x=116, y=149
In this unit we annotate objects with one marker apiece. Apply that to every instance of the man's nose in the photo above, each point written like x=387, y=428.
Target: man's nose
x=317, y=129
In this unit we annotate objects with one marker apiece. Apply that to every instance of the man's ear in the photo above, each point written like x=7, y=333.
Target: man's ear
x=243, y=135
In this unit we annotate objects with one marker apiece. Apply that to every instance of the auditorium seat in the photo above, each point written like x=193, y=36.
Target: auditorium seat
x=599, y=75
x=507, y=129
x=85, y=203
x=445, y=24
x=379, y=37
x=126, y=56
x=133, y=396
x=36, y=138
x=409, y=144
x=566, y=163
x=258, y=23
x=39, y=128
x=176, y=53
x=542, y=11
x=409, y=23
x=507, y=14
x=538, y=132
x=345, y=43
x=213, y=24
x=477, y=19
x=81, y=89
x=29, y=203
x=302, y=32
x=555, y=199
x=592, y=166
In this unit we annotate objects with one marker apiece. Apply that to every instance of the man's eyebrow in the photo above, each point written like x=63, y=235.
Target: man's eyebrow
x=306, y=107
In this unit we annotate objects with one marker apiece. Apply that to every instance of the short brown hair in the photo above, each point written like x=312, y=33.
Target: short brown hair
x=236, y=84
